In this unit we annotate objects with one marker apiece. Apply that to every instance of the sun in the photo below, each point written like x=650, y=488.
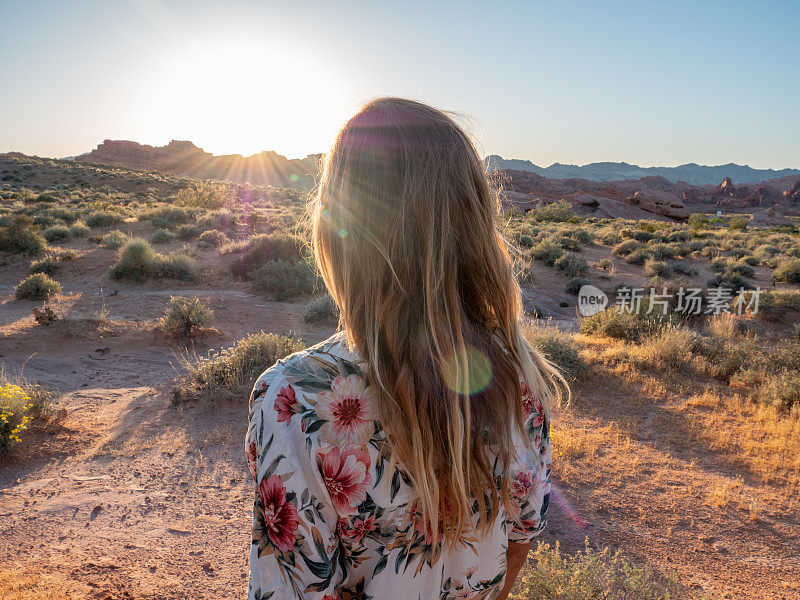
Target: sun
x=245, y=96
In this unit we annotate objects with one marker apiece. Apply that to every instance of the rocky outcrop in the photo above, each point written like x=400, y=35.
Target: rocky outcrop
x=184, y=158
x=661, y=203
x=768, y=217
x=793, y=193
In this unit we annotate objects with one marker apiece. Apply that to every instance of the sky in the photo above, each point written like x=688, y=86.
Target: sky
x=650, y=83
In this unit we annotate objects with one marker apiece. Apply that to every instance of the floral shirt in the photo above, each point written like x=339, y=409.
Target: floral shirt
x=334, y=520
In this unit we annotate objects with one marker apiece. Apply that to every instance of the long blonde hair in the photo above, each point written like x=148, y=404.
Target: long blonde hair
x=405, y=236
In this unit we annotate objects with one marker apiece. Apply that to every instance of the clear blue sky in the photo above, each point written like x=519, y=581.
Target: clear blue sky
x=653, y=83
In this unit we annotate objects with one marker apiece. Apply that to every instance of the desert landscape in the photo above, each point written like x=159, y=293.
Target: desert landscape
x=143, y=289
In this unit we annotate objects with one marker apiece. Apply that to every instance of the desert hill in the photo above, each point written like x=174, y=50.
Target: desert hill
x=769, y=201
x=691, y=173
x=184, y=158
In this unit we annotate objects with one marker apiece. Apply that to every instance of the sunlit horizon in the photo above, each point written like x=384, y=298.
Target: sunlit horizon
x=648, y=84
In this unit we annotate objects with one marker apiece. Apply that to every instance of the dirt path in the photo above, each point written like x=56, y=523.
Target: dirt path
x=128, y=496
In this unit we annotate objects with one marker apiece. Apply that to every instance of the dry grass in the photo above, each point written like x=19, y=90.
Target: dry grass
x=16, y=585
x=767, y=441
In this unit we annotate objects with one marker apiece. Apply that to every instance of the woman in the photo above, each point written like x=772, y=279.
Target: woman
x=407, y=456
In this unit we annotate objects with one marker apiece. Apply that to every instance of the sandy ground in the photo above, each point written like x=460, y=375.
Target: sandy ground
x=125, y=495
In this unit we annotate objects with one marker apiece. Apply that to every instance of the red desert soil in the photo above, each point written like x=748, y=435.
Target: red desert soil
x=129, y=496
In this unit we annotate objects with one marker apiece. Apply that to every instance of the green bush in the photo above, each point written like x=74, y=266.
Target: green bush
x=138, y=261
x=285, y=278
x=185, y=317
x=212, y=238
x=161, y=236
x=575, y=284
x=657, y=268
x=243, y=362
x=604, y=575
x=788, y=271
x=321, y=308
x=738, y=222
x=614, y=324
x=625, y=248
x=114, y=239
x=79, y=230
x=547, y=251
x=557, y=212
x=557, y=346
x=188, y=232
x=103, y=218
x=167, y=217
x=573, y=264
x=57, y=233
x=47, y=265
x=638, y=257
x=22, y=236
x=263, y=248
x=38, y=286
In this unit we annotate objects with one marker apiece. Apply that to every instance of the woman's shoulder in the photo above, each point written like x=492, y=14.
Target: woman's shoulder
x=304, y=388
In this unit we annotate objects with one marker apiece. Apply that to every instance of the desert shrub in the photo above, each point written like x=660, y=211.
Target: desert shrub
x=614, y=324
x=556, y=212
x=319, y=309
x=222, y=219
x=207, y=194
x=741, y=267
x=176, y=265
x=79, y=229
x=46, y=198
x=212, y=238
x=185, y=317
x=657, y=268
x=609, y=239
x=642, y=236
x=57, y=233
x=788, y=271
x=590, y=574
x=738, y=222
x=22, y=236
x=525, y=241
x=575, y=284
x=625, y=248
x=239, y=365
x=698, y=221
x=167, y=217
x=47, y=265
x=580, y=234
x=266, y=247
x=285, y=278
x=138, y=261
x=638, y=257
x=547, y=251
x=573, y=264
x=662, y=251
x=665, y=349
x=161, y=236
x=37, y=287
x=188, y=232
x=558, y=346
x=568, y=242
x=103, y=218
x=679, y=236
x=683, y=268
x=114, y=239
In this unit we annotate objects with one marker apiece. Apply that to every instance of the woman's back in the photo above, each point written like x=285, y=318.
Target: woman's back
x=335, y=516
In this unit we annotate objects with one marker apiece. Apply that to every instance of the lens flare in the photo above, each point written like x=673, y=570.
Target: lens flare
x=342, y=233
x=478, y=372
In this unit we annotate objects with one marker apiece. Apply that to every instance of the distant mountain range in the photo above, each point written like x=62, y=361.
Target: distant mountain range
x=270, y=168
x=184, y=158
x=618, y=171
